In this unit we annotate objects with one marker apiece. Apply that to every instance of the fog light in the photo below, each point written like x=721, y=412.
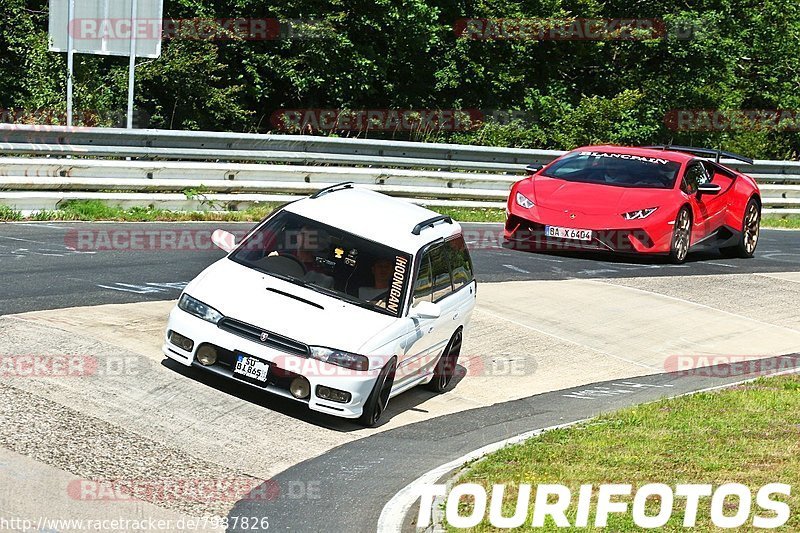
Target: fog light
x=300, y=388
x=334, y=395
x=207, y=355
x=180, y=341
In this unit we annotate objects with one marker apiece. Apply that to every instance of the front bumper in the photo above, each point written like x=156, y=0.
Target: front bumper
x=283, y=367
x=525, y=230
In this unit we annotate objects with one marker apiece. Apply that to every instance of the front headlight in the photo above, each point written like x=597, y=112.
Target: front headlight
x=340, y=358
x=523, y=201
x=199, y=309
x=639, y=214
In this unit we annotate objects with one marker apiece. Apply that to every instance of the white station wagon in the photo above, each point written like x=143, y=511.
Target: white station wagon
x=341, y=301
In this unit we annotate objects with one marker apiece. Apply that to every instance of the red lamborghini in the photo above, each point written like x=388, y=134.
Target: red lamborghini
x=656, y=200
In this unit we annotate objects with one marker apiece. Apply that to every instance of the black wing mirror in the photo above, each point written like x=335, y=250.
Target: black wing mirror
x=534, y=168
x=708, y=188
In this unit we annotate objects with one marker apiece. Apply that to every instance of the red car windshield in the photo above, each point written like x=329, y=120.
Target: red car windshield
x=609, y=168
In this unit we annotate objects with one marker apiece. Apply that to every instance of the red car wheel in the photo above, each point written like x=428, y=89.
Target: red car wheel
x=751, y=229
x=681, y=236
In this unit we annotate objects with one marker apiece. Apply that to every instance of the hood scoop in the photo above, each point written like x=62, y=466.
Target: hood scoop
x=295, y=297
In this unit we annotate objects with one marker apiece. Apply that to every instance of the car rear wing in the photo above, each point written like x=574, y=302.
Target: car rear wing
x=332, y=188
x=430, y=222
x=703, y=152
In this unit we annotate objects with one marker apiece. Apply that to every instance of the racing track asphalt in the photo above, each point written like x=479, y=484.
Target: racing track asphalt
x=40, y=270
x=354, y=481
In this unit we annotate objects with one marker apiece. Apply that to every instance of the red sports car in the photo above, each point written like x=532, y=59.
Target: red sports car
x=654, y=200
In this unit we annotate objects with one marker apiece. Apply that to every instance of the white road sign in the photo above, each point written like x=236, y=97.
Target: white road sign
x=104, y=27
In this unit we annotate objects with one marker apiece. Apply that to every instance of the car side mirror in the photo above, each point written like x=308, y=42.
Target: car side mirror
x=708, y=188
x=223, y=240
x=426, y=310
x=534, y=168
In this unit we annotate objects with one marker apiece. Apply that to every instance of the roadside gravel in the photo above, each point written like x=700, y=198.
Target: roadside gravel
x=97, y=451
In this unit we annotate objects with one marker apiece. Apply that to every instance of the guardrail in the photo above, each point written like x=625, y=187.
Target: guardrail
x=189, y=170
x=296, y=149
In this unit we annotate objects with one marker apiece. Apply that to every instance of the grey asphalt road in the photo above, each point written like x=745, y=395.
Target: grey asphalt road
x=365, y=474
x=60, y=265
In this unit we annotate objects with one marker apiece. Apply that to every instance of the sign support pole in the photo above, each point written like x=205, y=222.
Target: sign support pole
x=70, y=58
x=131, y=63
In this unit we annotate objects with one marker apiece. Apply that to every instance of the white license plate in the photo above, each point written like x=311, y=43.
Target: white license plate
x=251, y=368
x=568, y=233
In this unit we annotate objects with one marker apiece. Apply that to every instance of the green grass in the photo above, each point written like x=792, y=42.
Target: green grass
x=91, y=210
x=749, y=434
x=781, y=221
x=9, y=214
x=97, y=210
x=473, y=214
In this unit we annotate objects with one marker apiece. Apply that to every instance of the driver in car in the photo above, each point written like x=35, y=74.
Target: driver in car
x=310, y=243
x=313, y=245
x=382, y=270
x=617, y=172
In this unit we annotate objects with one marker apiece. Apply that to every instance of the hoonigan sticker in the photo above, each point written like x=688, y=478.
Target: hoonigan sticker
x=398, y=280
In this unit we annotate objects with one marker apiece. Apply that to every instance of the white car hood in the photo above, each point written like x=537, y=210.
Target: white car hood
x=240, y=292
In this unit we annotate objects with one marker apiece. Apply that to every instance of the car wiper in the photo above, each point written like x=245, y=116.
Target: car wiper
x=295, y=297
x=284, y=277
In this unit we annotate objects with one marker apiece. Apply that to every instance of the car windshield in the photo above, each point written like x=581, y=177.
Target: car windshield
x=622, y=170
x=328, y=260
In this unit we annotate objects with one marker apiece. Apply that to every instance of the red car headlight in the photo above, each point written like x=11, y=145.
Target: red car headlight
x=523, y=201
x=639, y=214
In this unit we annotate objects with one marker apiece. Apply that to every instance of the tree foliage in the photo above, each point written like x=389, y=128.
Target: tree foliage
x=405, y=54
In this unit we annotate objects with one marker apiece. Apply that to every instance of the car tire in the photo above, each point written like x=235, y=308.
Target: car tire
x=681, y=236
x=751, y=229
x=379, y=397
x=446, y=367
